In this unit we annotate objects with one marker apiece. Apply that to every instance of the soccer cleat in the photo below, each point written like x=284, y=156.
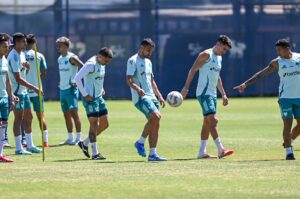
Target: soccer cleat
x=22, y=152
x=68, y=142
x=206, y=156
x=225, y=152
x=5, y=159
x=140, y=149
x=34, y=150
x=84, y=149
x=46, y=145
x=156, y=157
x=290, y=157
x=77, y=141
x=98, y=157
x=6, y=144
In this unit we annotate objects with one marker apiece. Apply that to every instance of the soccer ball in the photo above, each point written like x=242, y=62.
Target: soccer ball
x=174, y=98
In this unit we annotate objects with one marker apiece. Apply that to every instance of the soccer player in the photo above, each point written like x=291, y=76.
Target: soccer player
x=140, y=79
x=33, y=79
x=208, y=63
x=18, y=67
x=287, y=66
x=5, y=92
x=93, y=72
x=68, y=67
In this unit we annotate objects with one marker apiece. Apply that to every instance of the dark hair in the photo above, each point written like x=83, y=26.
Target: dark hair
x=30, y=39
x=18, y=36
x=4, y=38
x=106, y=52
x=225, y=40
x=284, y=43
x=148, y=42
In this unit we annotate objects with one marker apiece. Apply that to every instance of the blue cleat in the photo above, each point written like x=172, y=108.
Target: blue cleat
x=156, y=157
x=140, y=149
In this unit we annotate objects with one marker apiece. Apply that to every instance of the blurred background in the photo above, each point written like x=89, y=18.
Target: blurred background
x=180, y=28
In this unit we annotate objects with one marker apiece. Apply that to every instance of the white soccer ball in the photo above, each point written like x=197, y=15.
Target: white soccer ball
x=174, y=98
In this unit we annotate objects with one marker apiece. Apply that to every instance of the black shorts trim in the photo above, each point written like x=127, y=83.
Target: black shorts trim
x=98, y=114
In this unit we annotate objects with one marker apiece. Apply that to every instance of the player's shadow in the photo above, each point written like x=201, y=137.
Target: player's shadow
x=73, y=160
x=265, y=160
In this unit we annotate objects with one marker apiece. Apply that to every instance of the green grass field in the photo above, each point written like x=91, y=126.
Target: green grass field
x=250, y=126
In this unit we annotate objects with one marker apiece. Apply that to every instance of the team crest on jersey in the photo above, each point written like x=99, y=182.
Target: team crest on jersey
x=142, y=65
x=66, y=62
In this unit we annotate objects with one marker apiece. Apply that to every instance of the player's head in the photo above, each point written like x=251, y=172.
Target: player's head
x=223, y=45
x=104, y=55
x=19, y=41
x=283, y=47
x=4, y=44
x=146, y=48
x=63, y=44
x=30, y=38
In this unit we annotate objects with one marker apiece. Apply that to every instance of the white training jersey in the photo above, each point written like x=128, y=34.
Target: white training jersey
x=141, y=70
x=289, y=73
x=3, y=73
x=209, y=74
x=67, y=71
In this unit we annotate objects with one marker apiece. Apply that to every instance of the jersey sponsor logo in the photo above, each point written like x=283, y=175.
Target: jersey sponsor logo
x=64, y=69
x=98, y=78
x=215, y=69
x=291, y=74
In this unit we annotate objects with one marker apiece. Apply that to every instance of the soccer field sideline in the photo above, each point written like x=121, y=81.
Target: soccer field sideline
x=250, y=126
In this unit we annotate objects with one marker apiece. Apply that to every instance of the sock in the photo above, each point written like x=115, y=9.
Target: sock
x=18, y=142
x=86, y=141
x=45, y=135
x=94, y=148
x=2, y=137
x=202, y=149
x=142, y=140
x=29, y=140
x=219, y=144
x=70, y=136
x=288, y=150
x=152, y=151
x=78, y=136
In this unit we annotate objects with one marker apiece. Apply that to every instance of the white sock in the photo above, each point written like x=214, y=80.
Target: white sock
x=288, y=150
x=2, y=137
x=219, y=144
x=29, y=140
x=78, y=136
x=45, y=135
x=142, y=140
x=152, y=151
x=18, y=140
x=70, y=136
x=94, y=148
x=202, y=149
x=86, y=141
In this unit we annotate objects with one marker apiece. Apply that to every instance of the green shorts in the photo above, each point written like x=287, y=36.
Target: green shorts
x=290, y=108
x=208, y=104
x=24, y=102
x=95, y=108
x=4, y=108
x=147, y=106
x=36, y=103
x=69, y=99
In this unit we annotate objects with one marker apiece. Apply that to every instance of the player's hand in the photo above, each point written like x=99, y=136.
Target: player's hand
x=162, y=102
x=12, y=105
x=184, y=92
x=26, y=65
x=225, y=100
x=141, y=92
x=88, y=98
x=74, y=85
x=103, y=92
x=240, y=87
x=15, y=99
x=35, y=89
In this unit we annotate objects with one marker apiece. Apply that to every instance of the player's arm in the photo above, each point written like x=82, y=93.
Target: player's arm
x=201, y=59
x=22, y=82
x=222, y=91
x=74, y=60
x=131, y=69
x=10, y=92
x=157, y=93
x=43, y=66
x=86, y=69
x=272, y=67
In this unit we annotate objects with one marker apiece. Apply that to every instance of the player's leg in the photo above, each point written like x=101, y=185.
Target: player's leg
x=77, y=122
x=36, y=107
x=296, y=112
x=28, y=130
x=68, y=118
x=204, y=140
x=18, y=117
